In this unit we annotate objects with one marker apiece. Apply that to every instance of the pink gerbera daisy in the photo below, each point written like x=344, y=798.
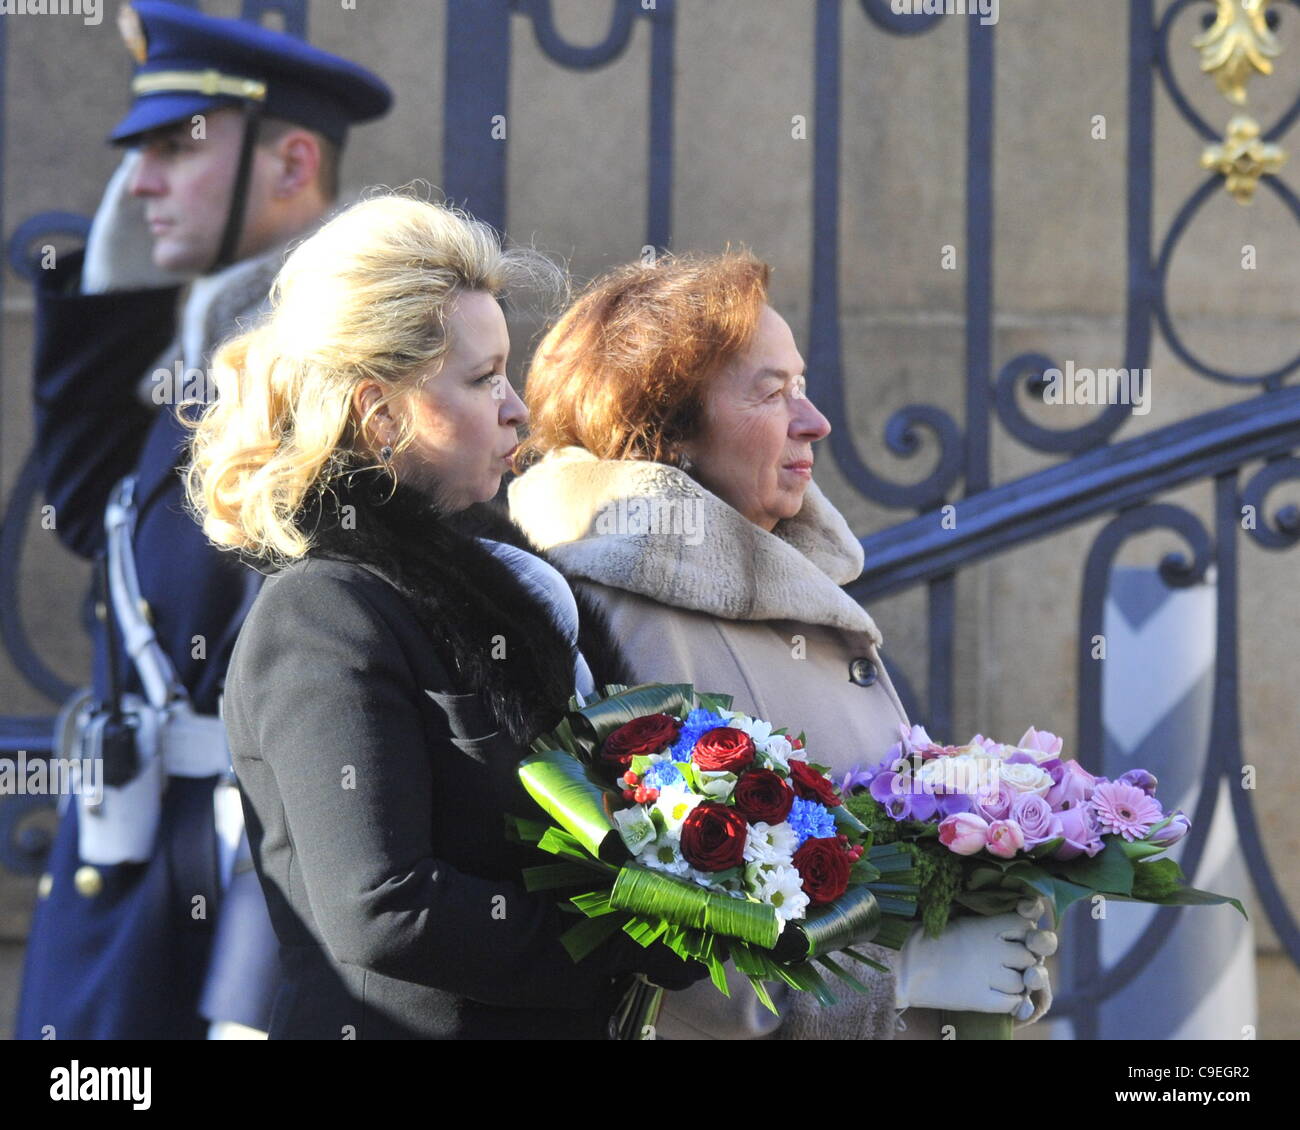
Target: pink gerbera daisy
x=1125, y=809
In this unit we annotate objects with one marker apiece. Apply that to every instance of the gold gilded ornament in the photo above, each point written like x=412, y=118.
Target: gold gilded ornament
x=1243, y=158
x=1237, y=45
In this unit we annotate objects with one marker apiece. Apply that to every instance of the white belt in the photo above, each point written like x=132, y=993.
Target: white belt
x=194, y=745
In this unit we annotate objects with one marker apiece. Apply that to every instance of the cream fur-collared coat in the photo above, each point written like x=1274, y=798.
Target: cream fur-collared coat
x=695, y=592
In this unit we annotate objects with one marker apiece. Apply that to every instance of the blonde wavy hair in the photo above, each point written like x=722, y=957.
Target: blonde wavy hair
x=365, y=298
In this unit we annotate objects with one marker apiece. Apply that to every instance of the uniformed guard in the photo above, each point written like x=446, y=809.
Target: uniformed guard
x=150, y=922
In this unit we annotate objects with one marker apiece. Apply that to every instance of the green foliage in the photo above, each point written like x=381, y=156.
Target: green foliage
x=938, y=871
x=939, y=876
x=1156, y=879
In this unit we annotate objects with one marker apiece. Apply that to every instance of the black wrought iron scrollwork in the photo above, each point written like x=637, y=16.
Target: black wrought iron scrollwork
x=1269, y=380
x=1030, y=368
x=1164, y=66
x=1284, y=532
x=622, y=17
x=884, y=16
x=478, y=67
x=25, y=840
x=1273, y=378
x=826, y=385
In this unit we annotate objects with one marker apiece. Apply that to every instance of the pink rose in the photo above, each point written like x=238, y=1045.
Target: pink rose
x=1074, y=785
x=1042, y=740
x=1036, y=819
x=1005, y=838
x=1081, y=831
x=997, y=806
x=963, y=833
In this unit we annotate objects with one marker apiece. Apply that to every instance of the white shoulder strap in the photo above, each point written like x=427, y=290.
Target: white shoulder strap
x=157, y=675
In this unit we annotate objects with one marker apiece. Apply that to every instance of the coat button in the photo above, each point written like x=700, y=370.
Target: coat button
x=863, y=672
x=44, y=886
x=88, y=881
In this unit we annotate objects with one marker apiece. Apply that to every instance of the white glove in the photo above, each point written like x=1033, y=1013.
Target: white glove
x=119, y=249
x=1043, y=944
x=980, y=965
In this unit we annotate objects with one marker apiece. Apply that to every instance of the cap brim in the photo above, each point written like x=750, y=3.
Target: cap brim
x=158, y=110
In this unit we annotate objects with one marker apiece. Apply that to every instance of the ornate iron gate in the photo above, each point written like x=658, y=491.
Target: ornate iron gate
x=1098, y=475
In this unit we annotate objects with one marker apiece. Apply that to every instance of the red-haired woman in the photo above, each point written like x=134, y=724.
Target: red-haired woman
x=669, y=465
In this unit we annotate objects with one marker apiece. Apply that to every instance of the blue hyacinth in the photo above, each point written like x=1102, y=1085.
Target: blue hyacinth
x=698, y=722
x=811, y=821
x=661, y=774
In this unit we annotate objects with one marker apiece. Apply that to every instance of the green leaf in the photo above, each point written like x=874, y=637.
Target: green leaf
x=847, y=823
x=746, y=961
x=843, y=974
x=760, y=991
x=645, y=931
x=717, y=972
x=525, y=830
x=1157, y=878
x=587, y=935
x=988, y=902
x=806, y=978
x=1047, y=848
x=678, y=900
x=549, y=876
x=1109, y=871
x=983, y=877
x=593, y=903
x=558, y=842
x=1139, y=849
x=865, y=960
x=1192, y=896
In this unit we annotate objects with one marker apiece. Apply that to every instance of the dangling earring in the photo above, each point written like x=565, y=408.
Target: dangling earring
x=684, y=463
x=386, y=457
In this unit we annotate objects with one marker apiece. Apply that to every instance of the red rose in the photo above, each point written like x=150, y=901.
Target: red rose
x=713, y=837
x=823, y=865
x=724, y=750
x=640, y=737
x=760, y=795
x=811, y=785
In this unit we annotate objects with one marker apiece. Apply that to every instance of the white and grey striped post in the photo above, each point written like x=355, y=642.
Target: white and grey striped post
x=1157, y=690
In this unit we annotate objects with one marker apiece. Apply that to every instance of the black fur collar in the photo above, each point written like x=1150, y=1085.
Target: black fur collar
x=465, y=598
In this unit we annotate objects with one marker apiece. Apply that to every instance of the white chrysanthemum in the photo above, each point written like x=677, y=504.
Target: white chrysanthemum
x=756, y=728
x=673, y=803
x=772, y=844
x=778, y=750
x=782, y=887
x=665, y=855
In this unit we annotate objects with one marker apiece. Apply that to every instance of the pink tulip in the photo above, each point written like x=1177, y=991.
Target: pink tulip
x=963, y=833
x=1005, y=838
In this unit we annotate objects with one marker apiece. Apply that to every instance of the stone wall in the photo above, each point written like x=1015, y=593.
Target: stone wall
x=744, y=70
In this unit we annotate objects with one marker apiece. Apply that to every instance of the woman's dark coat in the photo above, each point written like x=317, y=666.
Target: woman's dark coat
x=378, y=700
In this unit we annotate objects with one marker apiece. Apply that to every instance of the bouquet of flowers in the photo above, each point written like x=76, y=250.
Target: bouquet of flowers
x=991, y=823
x=693, y=824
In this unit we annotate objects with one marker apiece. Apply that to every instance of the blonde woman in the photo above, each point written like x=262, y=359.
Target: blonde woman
x=394, y=667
